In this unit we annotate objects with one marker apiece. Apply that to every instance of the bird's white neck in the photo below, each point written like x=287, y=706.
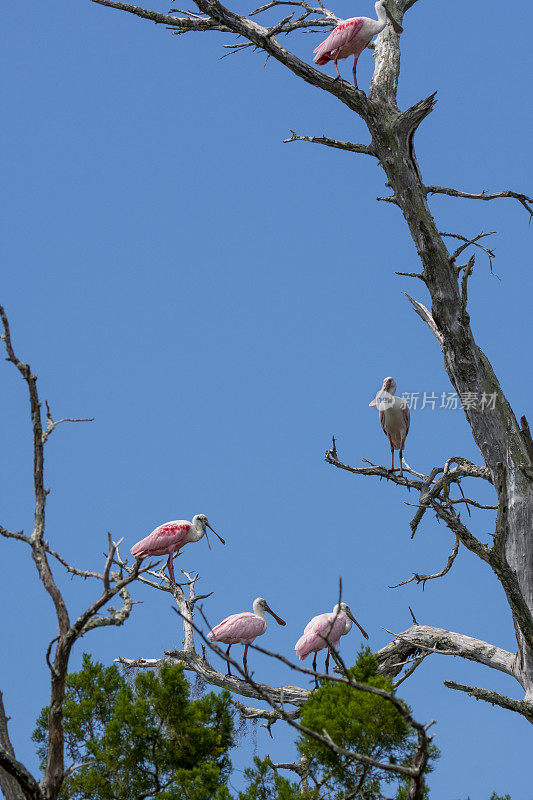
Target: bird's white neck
x=197, y=530
x=381, y=13
x=259, y=611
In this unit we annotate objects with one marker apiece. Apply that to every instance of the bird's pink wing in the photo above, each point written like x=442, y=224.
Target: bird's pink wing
x=238, y=628
x=342, y=35
x=166, y=538
x=316, y=631
x=314, y=623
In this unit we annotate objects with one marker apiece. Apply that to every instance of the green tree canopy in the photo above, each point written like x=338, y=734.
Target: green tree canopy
x=355, y=720
x=142, y=741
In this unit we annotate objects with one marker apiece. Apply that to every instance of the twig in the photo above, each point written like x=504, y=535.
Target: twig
x=51, y=425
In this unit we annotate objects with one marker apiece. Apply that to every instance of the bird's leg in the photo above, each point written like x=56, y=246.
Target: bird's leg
x=229, y=666
x=354, y=70
x=337, y=70
x=170, y=566
x=401, y=460
x=327, y=662
x=391, y=455
x=314, y=670
x=245, y=659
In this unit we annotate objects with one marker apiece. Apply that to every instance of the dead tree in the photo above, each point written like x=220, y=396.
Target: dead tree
x=15, y=780
x=506, y=447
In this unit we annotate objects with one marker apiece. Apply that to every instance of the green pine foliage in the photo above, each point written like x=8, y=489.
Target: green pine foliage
x=265, y=784
x=149, y=740
x=360, y=721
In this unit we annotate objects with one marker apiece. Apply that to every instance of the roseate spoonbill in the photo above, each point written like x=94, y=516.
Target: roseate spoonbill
x=352, y=36
x=243, y=628
x=170, y=537
x=394, y=416
x=331, y=626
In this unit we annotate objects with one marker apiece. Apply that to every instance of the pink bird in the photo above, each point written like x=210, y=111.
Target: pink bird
x=243, y=628
x=326, y=628
x=352, y=36
x=395, y=418
x=171, y=537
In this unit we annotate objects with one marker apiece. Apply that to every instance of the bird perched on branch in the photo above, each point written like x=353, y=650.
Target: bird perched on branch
x=352, y=36
x=394, y=416
x=243, y=628
x=170, y=537
x=323, y=629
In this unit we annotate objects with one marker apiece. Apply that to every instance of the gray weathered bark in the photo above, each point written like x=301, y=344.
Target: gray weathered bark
x=9, y=786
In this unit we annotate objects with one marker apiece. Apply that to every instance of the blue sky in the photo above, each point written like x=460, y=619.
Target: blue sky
x=222, y=303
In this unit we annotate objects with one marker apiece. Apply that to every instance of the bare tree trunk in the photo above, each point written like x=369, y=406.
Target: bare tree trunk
x=8, y=785
x=495, y=429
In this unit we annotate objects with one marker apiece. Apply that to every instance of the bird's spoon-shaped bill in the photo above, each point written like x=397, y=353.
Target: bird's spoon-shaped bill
x=365, y=634
x=278, y=619
x=216, y=534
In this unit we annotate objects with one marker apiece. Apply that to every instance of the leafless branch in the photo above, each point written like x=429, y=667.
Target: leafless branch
x=468, y=269
x=374, y=469
x=296, y=767
x=522, y=198
x=468, y=242
x=191, y=22
x=51, y=425
x=473, y=503
x=419, y=275
x=73, y=767
x=420, y=639
x=426, y=315
x=261, y=713
x=523, y=707
x=365, y=149
x=423, y=578
x=409, y=672
x=218, y=17
x=390, y=198
x=19, y=535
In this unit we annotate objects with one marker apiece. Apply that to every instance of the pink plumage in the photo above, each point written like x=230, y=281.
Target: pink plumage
x=315, y=632
x=238, y=629
x=243, y=628
x=342, y=42
x=324, y=629
x=165, y=539
x=170, y=537
x=351, y=37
